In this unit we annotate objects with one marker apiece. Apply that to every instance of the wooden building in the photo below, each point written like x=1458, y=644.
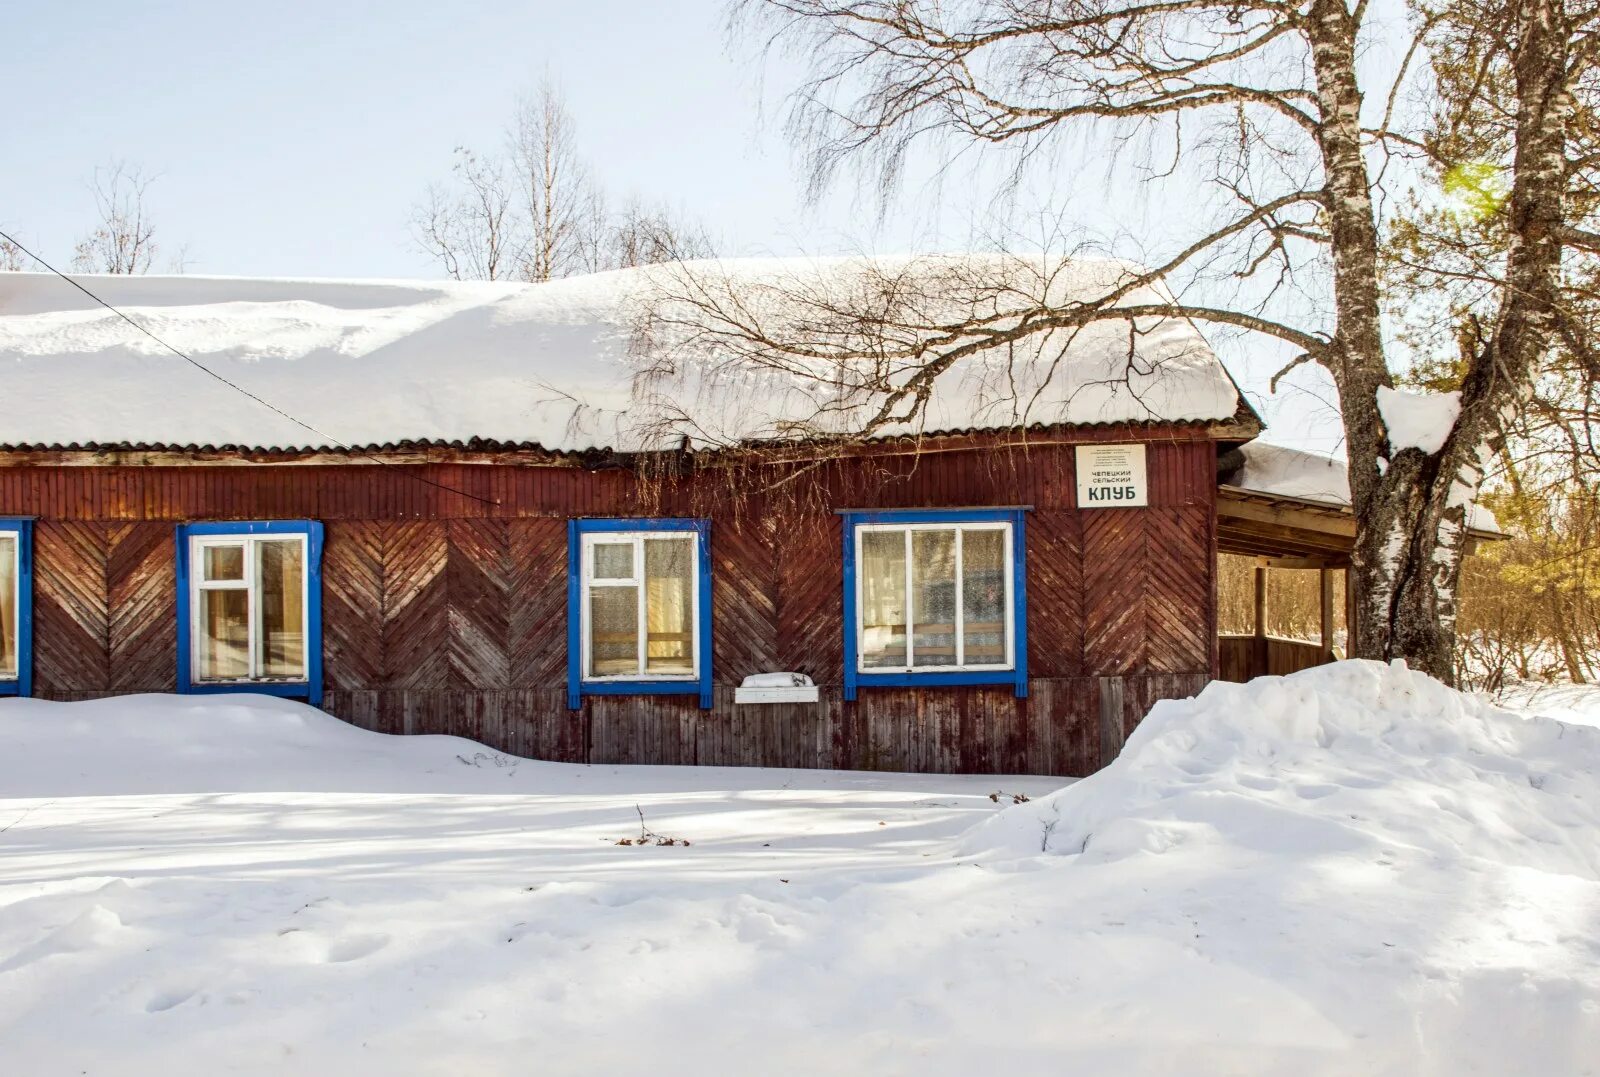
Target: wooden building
x=987, y=599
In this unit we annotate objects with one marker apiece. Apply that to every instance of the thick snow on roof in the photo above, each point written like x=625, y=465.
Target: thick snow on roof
x=1281, y=471
x=370, y=363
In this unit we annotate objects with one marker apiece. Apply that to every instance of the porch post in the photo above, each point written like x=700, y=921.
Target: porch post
x=1326, y=579
x=1260, y=655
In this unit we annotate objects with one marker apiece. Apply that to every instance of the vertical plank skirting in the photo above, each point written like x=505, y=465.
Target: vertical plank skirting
x=1067, y=725
x=1111, y=720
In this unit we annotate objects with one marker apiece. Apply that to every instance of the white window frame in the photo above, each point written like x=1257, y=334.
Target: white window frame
x=1008, y=572
x=15, y=602
x=198, y=583
x=588, y=582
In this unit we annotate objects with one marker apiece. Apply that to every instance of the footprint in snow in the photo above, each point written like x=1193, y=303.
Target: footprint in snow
x=355, y=947
x=166, y=1000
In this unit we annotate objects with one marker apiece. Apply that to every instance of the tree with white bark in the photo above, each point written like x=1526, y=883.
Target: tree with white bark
x=123, y=238
x=471, y=228
x=536, y=211
x=1265, y=105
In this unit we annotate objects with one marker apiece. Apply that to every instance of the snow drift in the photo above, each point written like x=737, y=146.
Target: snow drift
x=1407, y=878
x=1337, y=758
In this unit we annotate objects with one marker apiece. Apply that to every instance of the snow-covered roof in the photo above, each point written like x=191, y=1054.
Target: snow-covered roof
x=374, y=363
x=1301, y=475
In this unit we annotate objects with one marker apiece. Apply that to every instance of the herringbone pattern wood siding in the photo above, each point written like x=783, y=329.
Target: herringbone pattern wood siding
x=478, y=581
x=416, y=652
x=1055, y=594
x=538, y=598
x=1115, y=574
x=744, y=598
x=105, y=608
x=1178, y=584
x=72, y=620
x=810, y=603
x=352, y=605
x=142, y=578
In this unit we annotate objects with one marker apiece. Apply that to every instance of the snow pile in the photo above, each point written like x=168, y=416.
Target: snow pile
x=1352, y=829
x=226, y=744
x=1418, y=420
x=370, y=363
x=1338, y=757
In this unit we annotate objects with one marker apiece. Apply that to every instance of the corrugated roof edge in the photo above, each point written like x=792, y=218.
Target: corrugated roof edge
x=1243, y=425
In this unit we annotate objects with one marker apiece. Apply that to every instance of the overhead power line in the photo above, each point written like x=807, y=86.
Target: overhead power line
x=269, y=405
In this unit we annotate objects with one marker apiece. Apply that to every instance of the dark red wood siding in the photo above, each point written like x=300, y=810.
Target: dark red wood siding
x=444, y=613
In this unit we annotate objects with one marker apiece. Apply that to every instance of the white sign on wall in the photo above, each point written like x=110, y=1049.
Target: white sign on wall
x=1111, y=477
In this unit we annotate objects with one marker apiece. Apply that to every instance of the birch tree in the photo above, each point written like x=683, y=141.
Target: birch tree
x=534, y=211
x=1264, y=103
x=123, y=238
x=642, y=235
x=559, y=201
x=471, y=227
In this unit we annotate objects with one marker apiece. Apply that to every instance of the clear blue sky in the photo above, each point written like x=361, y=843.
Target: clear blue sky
x=294, y=138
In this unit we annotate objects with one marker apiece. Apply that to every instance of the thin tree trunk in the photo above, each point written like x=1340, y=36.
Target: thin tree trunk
x=1569, y=650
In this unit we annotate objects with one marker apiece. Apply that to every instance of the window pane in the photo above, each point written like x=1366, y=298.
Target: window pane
x=281, y=636
x=669, y=605
x=613, y=631
x=8, y=607
x=883, y=598
x=983, y=597
x=613, y=561
x=933, y=584
x=223, y=648
x=224, y=562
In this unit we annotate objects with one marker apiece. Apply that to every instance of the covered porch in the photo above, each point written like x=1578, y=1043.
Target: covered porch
x=1284, y=599
x=1284, y=536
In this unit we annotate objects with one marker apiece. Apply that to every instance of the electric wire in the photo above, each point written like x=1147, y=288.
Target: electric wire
x=269, y=405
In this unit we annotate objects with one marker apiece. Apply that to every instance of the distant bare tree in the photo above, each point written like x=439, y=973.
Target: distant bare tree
x=473, y=229
x=559, y=201
x=537, y=213
x=122, y=240
x=12, y=259
x=643, y=235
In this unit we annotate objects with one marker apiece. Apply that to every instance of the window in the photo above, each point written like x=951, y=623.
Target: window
x=638, y=608
x=250, y=612
x=16, y=607
x=935, y=598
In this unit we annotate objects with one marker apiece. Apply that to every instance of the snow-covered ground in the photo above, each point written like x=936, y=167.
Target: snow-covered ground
x=1575, y=704
x=1353, y=870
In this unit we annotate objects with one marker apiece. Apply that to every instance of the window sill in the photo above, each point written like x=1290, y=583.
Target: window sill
x=699, y=687
x=946, y=679
x=676, y=686
x=284, y=689
x=10, y=688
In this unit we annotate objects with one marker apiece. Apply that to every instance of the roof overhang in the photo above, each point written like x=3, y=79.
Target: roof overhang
x=1291, y=532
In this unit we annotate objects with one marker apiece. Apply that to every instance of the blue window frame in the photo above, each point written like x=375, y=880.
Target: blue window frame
x=638, y=608
x=16, y=606
x=243, y=623
x=935, y=597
